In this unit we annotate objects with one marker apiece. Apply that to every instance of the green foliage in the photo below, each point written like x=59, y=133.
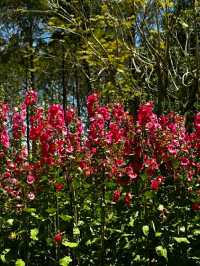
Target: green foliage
x=20, y=262
x=145, y=230
x=3, y=255
x=33, y=234
x=69, y=244
x=161, y=251
x=65, y=261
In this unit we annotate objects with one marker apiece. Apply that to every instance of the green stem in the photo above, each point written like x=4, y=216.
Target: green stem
x=73, y=213
x=57, y=224
x=102, y=253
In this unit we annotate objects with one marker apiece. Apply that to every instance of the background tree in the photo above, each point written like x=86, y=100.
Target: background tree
x=128, y=50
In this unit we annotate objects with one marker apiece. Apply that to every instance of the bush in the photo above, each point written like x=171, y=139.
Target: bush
x=118, y=190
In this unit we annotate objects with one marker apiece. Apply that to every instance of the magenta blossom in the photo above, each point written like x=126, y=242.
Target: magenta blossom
x=31, y=97
x=30, y=179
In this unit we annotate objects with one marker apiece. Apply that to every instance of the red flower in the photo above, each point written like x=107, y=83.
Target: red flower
x=160, y=179
x=197, y=122
x=172, y=149
x=155, y=184
x=91, y=101
x=4, y=111
x=7, y=174
x=118, y=112
x=196, y=206
x=56, y=116
x=4, y=138
x=103, y=110
x=127, y=199
x=31, y=97
x=116, y=195
x=185, y=161
x=145, y=113
x=131, y=174
x=151, y=165
x=69, y=115
x=58, y=238
x=59, y=186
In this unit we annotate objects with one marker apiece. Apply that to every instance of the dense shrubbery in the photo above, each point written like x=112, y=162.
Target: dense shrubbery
x=118, y=190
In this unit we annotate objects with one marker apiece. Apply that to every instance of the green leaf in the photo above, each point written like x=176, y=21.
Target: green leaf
x=145, y=230
x=34, y=233
x=3, y=254
x=181, y=240
x=196, y=232
x=182, y=229
x=153, y=226
x=131, y=222
x=143, y=177
x=162, y=252
x=30, y=210
x=158, y=234
x=10, y=221
x=51, y=210
x=69, y=244
x=65, y=261
x=137, y=258
x=76, y=231
x=65, y=217
x=160, y=207
x=92, y=241
x=20, y=262
x=149, y=195
x=184, y=25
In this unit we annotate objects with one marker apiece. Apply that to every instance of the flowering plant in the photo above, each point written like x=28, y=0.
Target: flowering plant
x=133, y=181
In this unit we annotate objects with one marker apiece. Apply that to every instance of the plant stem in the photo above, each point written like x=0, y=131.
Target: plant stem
x=102, y=253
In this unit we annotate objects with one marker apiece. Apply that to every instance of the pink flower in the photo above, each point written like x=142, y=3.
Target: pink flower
x=37, y=117
x=31, y=97
x=69, y=149
x=118, y=112
x=127, y=199
x=91, y=101
x=160, y=179
x=197, y=122
x=35, y=132
x=144, y=113
x=184, y=161
x=172, y=149
x=130, y=172
x=69, y=115
x=31, y=196
x=155, y=184
x=19, y=127
x=59, y=186
x=30, y=179
x=4, y=111
x=103, y=110
x=115, y=134
x=14, y=181
x=116, y=195
x=5, y=139
x=190, y=175
x=151, y=165
x=7, y=174
x=119, y=162
x=56, y=116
